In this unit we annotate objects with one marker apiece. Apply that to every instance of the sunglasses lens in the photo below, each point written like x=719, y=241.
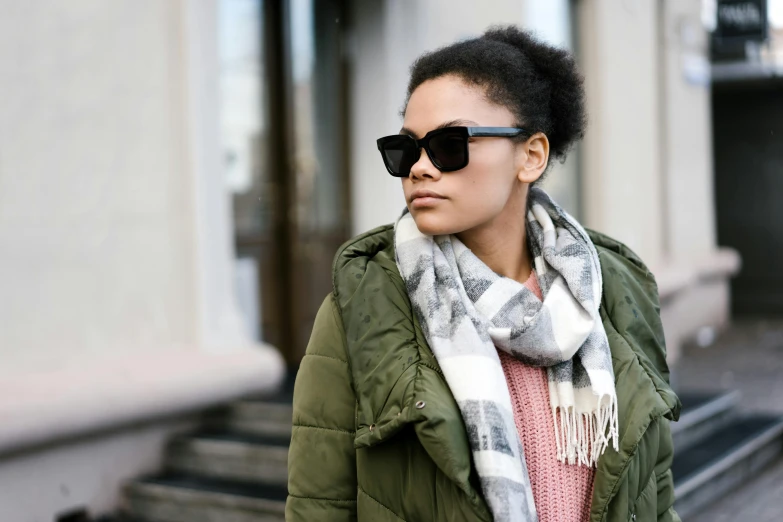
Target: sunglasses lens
x=449, y=149
x=399, y=154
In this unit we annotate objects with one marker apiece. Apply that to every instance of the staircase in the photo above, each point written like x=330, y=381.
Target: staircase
x=234, y=469
x=717, y=449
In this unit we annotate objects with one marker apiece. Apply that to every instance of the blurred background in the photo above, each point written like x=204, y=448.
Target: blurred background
x=176, y=176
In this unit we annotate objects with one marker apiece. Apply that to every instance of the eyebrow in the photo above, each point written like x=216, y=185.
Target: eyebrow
x=452, y=123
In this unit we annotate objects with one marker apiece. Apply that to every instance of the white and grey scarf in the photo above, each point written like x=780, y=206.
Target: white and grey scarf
x=467, y=312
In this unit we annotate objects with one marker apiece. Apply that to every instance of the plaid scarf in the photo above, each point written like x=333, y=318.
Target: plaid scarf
x=467, y=312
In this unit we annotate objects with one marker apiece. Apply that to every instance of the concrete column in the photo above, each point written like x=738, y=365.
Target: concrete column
x=687, y=132
x=647, y=175
x=621, y=178
x=694, y=274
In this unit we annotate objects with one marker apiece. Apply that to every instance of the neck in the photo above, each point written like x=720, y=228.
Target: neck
x=501, y=244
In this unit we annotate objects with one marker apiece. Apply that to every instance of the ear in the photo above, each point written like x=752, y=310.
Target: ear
x=532, y=158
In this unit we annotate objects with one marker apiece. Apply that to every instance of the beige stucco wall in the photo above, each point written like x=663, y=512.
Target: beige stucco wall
x=115, y=227
x=84, y=474
x=687, y=138
x=96, y=231
x=647, y=170
x=118, y=305
x=621, y=168
x=690, y=240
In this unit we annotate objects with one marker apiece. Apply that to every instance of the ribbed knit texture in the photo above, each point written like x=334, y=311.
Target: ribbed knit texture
x=562, y=492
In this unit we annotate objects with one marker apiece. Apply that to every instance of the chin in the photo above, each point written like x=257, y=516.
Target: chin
x=432, y=224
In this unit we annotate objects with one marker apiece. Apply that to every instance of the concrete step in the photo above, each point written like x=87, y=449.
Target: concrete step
x=119, y=517
x=270, y=417
x=178, y=498
x=725, y=460
x=230, y=456
x=269, y=414
x=702, y=415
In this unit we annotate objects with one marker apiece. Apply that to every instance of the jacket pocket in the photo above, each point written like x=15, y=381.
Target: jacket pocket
x=645, y=507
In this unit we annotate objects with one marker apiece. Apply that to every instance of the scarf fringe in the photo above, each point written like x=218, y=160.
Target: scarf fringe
x=583, y=437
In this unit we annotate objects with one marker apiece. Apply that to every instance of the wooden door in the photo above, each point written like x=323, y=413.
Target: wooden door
x=284, y=130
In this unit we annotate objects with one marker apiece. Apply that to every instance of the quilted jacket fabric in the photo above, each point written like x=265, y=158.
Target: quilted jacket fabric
x=378, y=437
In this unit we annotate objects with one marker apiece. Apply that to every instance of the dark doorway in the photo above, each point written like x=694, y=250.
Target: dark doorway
x=748, y=144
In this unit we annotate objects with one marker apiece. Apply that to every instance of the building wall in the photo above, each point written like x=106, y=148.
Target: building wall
x=689, y=196
x=618, y=49
x=86, y=474
x=118, y=304
x=115, y=231
x=647, y=170
x=96, y=238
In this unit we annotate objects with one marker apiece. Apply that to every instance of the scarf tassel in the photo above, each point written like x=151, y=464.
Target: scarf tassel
x=583, y=437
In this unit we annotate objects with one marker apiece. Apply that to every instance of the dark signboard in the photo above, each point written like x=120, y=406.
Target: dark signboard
x=741, y=20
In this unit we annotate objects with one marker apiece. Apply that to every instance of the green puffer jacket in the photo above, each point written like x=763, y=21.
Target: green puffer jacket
x=362, y=450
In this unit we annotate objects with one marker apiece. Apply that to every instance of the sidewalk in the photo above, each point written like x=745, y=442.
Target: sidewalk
x=758, y=501
x=748, y=358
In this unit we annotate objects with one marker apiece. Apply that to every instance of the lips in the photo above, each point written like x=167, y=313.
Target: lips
x=425, y=199
x=422, y=194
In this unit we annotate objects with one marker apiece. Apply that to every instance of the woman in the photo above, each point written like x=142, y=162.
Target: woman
x=485, y=358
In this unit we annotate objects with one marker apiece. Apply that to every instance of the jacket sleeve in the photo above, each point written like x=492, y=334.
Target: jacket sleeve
x=663, y=473
x=321, y=458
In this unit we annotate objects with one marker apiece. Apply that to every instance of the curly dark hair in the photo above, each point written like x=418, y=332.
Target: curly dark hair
x=539, y=83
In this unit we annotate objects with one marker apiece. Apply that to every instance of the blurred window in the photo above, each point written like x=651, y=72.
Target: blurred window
x=283, y=134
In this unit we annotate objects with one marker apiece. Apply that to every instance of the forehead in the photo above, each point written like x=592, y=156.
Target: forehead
x=449, y=98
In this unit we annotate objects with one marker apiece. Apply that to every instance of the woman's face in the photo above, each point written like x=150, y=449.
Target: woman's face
x=477, y=194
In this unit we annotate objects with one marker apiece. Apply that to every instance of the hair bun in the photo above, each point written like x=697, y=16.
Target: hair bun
x=566, y=84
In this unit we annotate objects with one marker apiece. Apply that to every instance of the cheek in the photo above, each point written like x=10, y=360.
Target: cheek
x=484, y=195
x=476, y=197
x=487, y=184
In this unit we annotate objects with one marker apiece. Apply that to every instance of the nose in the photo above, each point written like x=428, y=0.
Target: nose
x=424, y=169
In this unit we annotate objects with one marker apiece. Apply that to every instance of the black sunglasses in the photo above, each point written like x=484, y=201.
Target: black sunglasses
x=447, y=148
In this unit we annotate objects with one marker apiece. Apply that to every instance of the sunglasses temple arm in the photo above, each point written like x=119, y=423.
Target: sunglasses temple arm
x=480, y=132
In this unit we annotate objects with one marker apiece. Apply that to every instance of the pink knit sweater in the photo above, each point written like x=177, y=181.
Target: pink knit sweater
x=562, y=492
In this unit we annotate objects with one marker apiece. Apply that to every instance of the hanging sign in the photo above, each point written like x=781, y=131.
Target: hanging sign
x=741, y=20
